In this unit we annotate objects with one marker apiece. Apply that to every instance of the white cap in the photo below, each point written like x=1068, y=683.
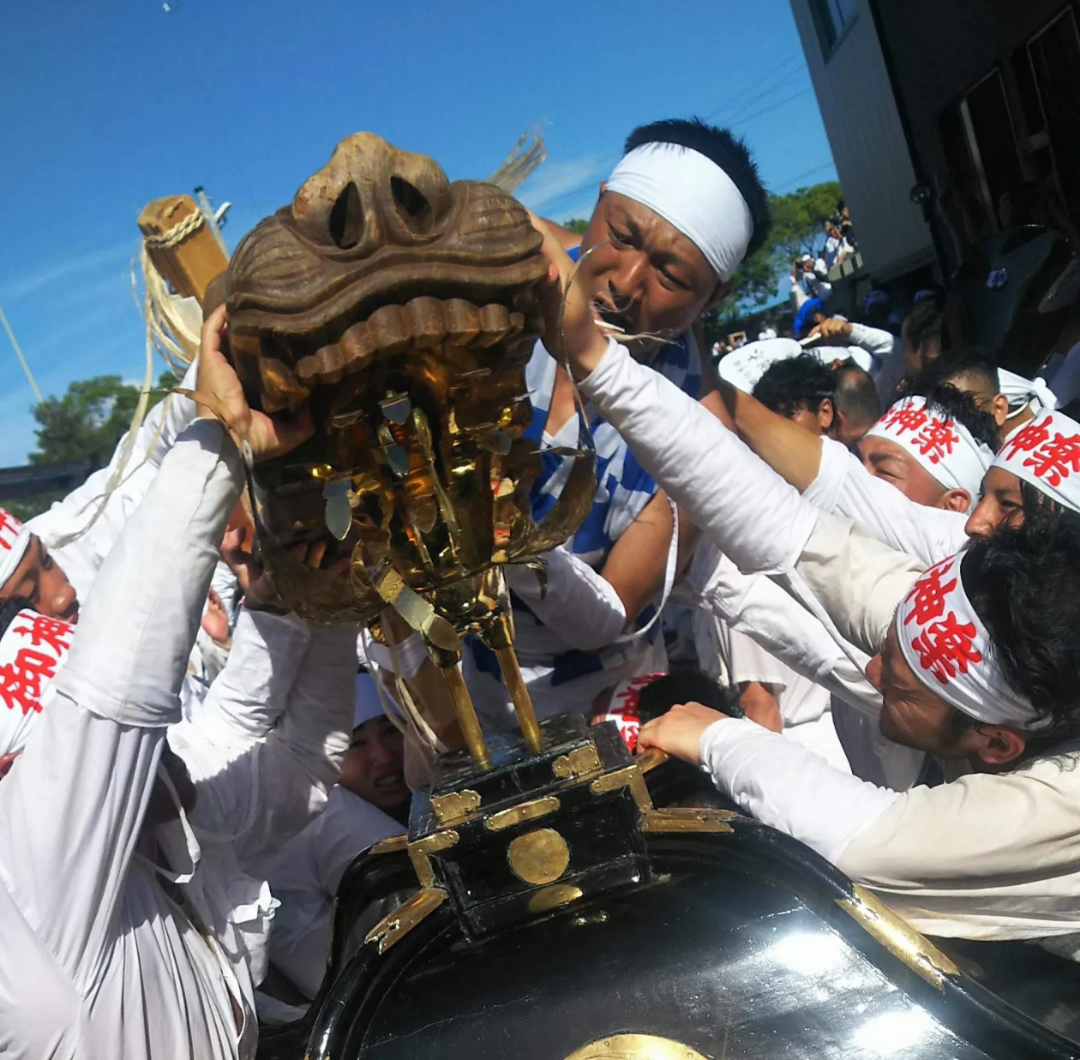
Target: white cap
x=368, y=703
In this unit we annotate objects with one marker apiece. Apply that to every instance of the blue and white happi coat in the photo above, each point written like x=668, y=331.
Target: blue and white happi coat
x=561, y=681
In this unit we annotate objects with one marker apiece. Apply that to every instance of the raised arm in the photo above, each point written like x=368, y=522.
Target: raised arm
x=72, y=807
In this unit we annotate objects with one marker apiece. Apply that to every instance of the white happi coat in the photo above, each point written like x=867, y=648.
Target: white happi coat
x=985, y=856
x=99, y=959
x=305, y=877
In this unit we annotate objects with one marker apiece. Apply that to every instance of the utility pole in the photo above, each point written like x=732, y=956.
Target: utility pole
x=22, y=359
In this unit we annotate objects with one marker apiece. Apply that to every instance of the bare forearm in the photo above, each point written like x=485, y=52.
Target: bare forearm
x=793, y=453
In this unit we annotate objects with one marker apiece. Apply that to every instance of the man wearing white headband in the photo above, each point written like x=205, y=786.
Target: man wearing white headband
x=930, y=455
x=1011, y=399
x=29, y=572
x=915, y=481
x=677, y=216
x=1036, y=475
x=126, y=933
x=994, y=644
x=306, y=874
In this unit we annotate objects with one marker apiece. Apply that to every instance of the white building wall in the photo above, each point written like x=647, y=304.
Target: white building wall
x=867, y=141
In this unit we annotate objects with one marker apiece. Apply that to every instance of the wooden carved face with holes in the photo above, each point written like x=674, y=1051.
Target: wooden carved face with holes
x=403, y=308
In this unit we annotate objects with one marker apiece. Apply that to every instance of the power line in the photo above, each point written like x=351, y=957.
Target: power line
x=772, y=107
x=791, y=182
x=785, y=82
x=740, y=97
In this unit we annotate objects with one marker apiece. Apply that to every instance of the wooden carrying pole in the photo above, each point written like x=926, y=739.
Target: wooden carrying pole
x=181, y=244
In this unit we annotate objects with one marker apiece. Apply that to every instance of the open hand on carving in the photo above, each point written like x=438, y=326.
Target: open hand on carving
x=220, y=395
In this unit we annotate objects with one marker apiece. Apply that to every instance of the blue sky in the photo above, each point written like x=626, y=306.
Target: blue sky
x=111, y=103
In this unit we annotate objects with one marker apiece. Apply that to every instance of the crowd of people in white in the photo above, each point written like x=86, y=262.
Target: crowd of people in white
x=871, y=543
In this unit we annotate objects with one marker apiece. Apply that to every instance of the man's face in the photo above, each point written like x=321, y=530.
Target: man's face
x=914, y=716
x=644, y=276
x=910, y=713
x=891, y=462
x=41, y=581
x=1000, y=502
x=374, y=766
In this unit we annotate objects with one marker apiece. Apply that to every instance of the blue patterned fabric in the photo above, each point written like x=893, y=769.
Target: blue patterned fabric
x=623, y=489
x=623, y=485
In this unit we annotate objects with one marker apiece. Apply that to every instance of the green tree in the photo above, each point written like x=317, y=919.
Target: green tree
x=796, y=229
x=576, y=224
x=86, y=423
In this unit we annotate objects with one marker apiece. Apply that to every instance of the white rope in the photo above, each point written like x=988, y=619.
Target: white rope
x=177, y=234
x=174, y=334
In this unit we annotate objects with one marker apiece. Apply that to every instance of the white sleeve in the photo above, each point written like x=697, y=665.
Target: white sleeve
x=347, y=828
x=701, y=465
x=755, y=606
x=749, y=512
x=783, y=784
x=751, y=662
x=263, y=767
x=883, y=344
x=995, y=853
x=844, y=486
x=856, y=581
x=68, y=520
x=579, y=604
x=72, y=807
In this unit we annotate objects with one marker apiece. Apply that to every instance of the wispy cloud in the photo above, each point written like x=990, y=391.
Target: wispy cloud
x=69, y=270
x=554, y=181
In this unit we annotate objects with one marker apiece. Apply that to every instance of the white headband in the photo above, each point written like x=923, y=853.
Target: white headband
x=14, y=540
x=1046, y=454
x=1025, y=393
x=949, y=650
x=625, y=708
x=692, y=193
x=944, y=447
x=32, y=649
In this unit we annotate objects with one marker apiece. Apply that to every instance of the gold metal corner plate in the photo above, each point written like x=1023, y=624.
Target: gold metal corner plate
x=391, y=844
x=396, y=925
x=579, y=763
x=680, y=819
x=635, y=1047
x=629, y=777
x=899, y=937
x=420, y=851
x=527, y=811
x=455, y=806
x=648, y=760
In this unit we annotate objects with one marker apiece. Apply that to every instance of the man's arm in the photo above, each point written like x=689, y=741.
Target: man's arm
x=264, y=759
x=792, y=452
x=72, y=807
x=844, y=486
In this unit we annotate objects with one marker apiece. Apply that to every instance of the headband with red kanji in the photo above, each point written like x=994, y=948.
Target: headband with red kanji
x=948, y=648
x=32, y=650
x=625, y=709
x=1046, y=454
x=14, y=541
x=944, y=447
